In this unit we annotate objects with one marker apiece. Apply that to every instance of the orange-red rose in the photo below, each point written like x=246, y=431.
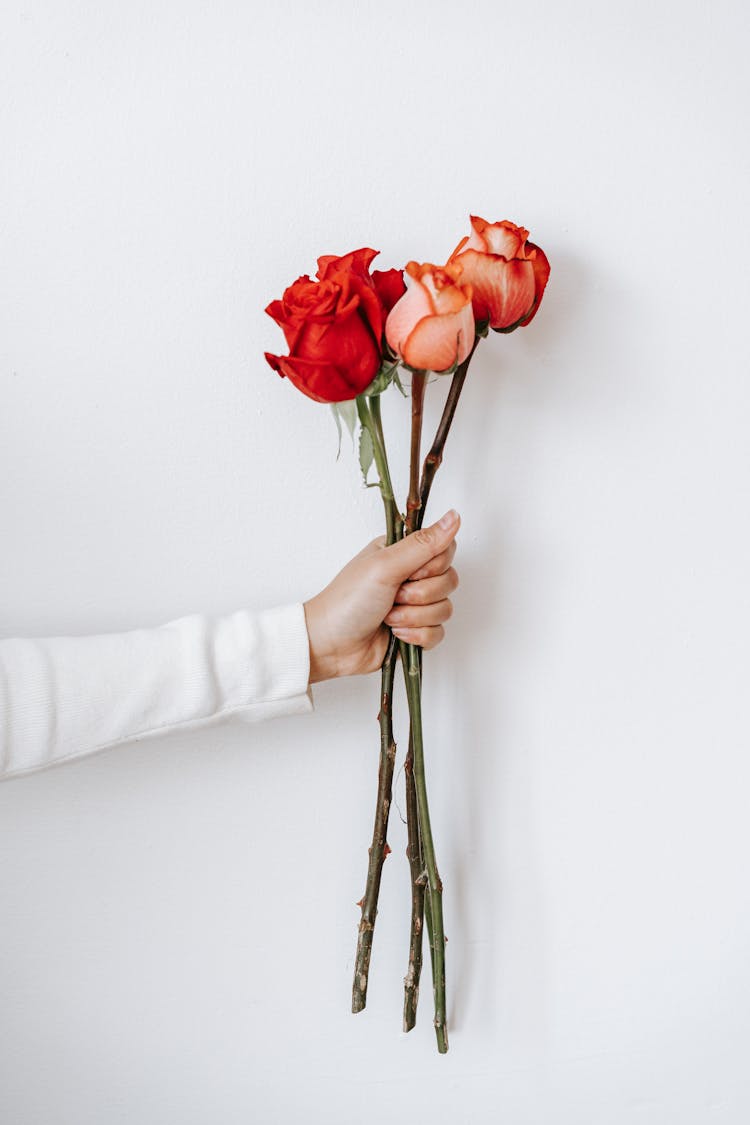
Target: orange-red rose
x=507, y=273
x=432, y=327
x=334, y=326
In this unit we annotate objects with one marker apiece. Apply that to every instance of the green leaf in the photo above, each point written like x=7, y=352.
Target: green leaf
x=337, y=420
x=366, y=453
x=348, y=411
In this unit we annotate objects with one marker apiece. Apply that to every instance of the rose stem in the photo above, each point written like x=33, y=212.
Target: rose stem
x=434, y=888
x=379, y=847
x=435, y=456
x=421, y=907
x=414, y=845
x=414, y=502
x=410, y=659
x=418, y=912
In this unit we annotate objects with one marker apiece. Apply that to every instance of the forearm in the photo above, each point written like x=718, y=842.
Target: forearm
x=63, y=697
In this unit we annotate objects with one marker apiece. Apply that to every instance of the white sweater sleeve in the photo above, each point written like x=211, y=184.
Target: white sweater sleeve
x=63, y=697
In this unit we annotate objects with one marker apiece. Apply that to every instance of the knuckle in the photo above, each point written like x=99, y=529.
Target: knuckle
x=454, y=579
x=448, y=610
x=425, y=536
x=436, y=635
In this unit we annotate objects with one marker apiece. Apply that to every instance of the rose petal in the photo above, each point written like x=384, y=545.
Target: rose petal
x=322, y=381
x=497, y=238
x=356, y=261
x=300, y=319
x=463, y=245
x=389, y=286
x=503, y=291
x=371, y=307
x=447, y=295
x=436, y=343
x=276, y=311
x=307, y=296
x=346, y=341
x=541, y=277
x=408, y=311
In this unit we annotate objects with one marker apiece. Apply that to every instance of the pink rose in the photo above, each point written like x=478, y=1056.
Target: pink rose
x=431, y=328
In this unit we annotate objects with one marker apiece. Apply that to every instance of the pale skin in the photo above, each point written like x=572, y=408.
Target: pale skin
x=406, y=586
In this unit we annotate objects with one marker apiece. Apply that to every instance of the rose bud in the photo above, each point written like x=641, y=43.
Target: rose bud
x=431, y=328
x=333, y=328
x=507, y=273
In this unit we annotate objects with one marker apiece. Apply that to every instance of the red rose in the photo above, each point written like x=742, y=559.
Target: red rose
x=333, y=328
x=507, y=273
x=432, y=327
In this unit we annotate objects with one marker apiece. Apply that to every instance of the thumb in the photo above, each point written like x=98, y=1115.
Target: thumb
x=399, y=561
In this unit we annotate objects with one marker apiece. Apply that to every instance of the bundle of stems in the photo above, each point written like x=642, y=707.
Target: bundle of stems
x=426, y=886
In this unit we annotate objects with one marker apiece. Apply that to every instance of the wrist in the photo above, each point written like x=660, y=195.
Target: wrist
x=324, y=662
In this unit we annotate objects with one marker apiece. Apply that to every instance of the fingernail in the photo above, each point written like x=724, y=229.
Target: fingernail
x=448, y=519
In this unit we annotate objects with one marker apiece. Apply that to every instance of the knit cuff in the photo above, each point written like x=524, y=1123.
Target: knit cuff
x=281, y=656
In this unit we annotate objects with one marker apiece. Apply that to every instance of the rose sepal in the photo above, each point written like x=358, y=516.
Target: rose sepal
x=385, y=375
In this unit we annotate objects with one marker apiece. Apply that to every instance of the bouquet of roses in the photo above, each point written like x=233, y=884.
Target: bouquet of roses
x=348, y=332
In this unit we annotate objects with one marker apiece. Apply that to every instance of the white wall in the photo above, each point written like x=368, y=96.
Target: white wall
x=178, y=918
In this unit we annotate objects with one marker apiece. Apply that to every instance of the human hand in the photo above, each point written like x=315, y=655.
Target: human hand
x=406, y=586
